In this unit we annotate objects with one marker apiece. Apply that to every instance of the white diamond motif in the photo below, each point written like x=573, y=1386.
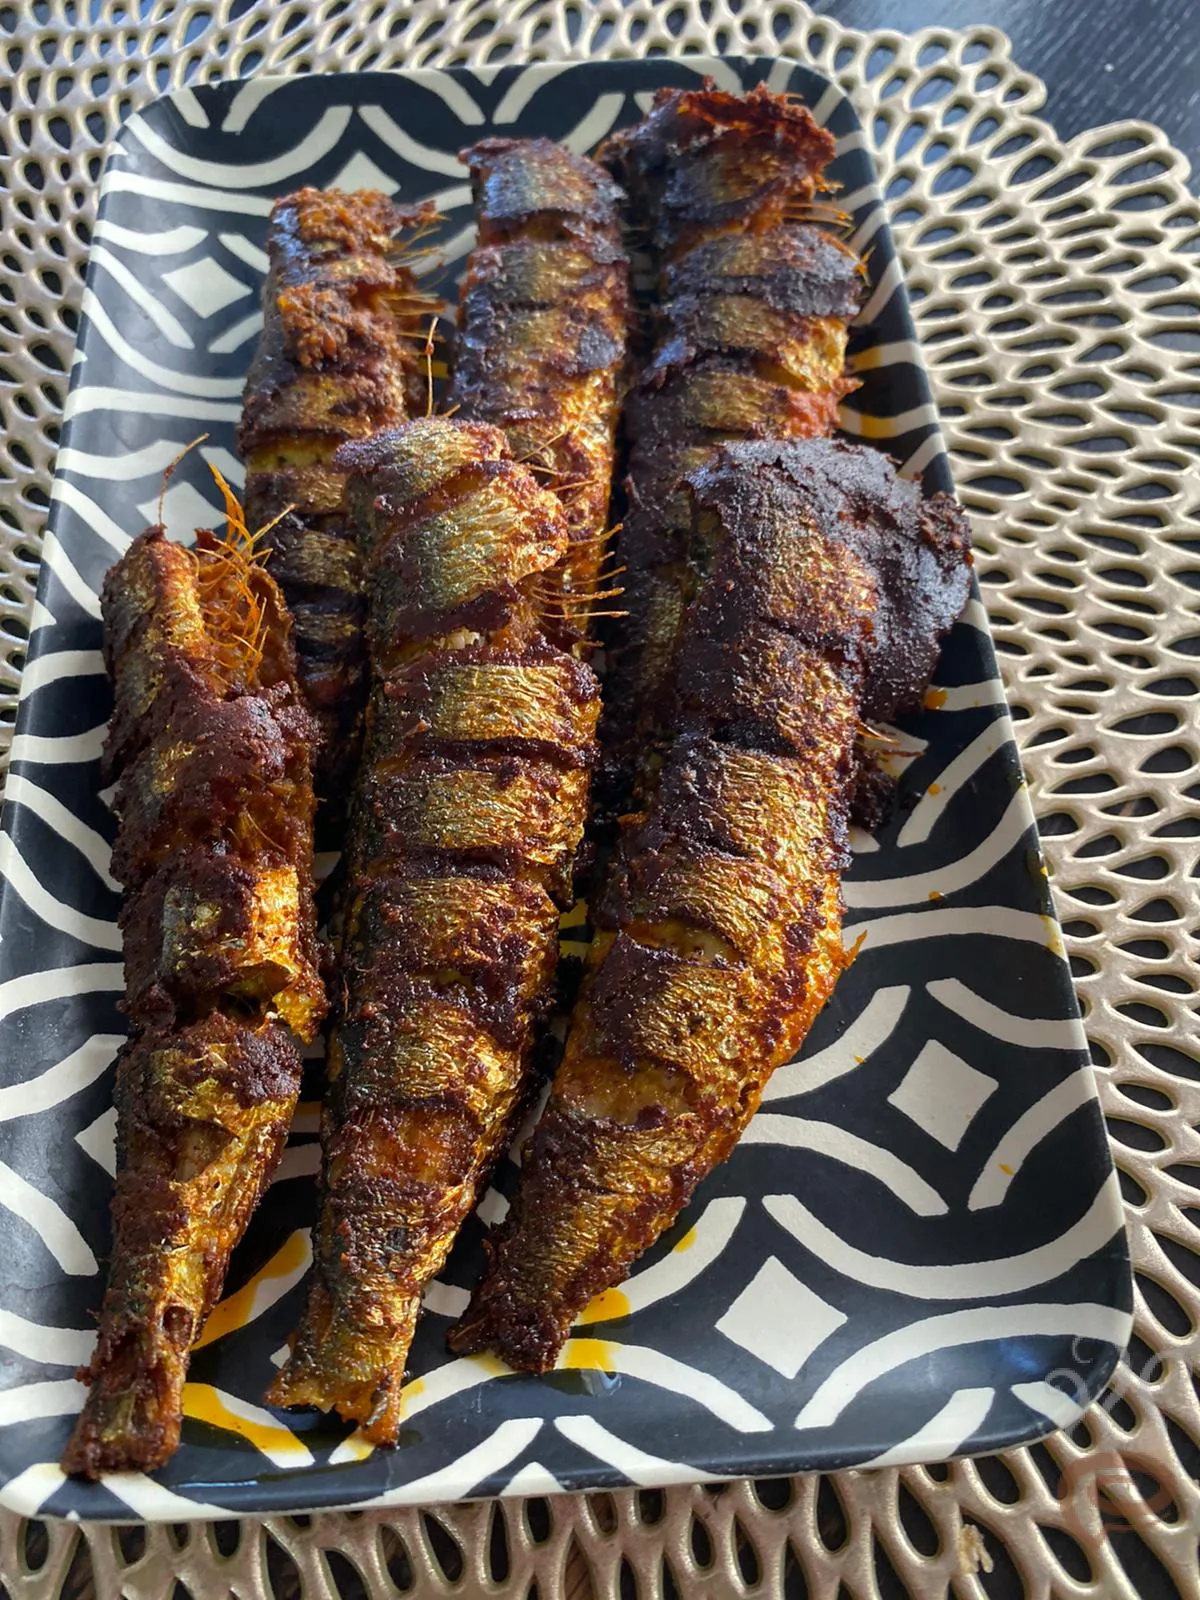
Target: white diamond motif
x=941, y=1093
x=184, y=510
x=360, y=172
x=779, y=1319
x=533, y=1478
x=99, y=1139
x=206, y=286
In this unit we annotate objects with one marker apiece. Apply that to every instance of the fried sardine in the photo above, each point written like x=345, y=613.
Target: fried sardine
x=470, y=808
x=211, y=747
x=824, y=584
x=543, y=323
x=754, y=298
x=339, y=358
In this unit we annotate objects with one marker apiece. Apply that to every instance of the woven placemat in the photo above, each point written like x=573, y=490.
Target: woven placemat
x=1057, y=292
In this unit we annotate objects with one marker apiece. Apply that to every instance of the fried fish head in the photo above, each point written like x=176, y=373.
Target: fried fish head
x=704, y=163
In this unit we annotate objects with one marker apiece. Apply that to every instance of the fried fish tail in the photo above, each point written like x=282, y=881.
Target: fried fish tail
x=543, y=323
x=755, y=299
x=650, y=1096
x=471, y=805
x=203, y=1114
x=211, y=747
x=826, y=589
x=339, y=358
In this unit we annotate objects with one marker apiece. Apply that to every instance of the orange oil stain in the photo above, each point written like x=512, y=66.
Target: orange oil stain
x=935, y=699
x=685, y=1243
x=935, y=894
x=589, y=1355
x=238, y=1309
x=1007, y=1170
x=492, y=1365
x=935, y=788
x=1054, y=938
x=609, y=1303
x=869, y=427
x=203, y=1403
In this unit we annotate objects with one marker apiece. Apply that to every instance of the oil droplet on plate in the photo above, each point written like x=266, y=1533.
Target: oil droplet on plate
x=589, y=1355
x=607, y=1305
x=203, y=1403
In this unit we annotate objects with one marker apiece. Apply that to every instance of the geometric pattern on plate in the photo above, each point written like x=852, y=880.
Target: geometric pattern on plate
x=941, y=1093
x=799, y=1322
x=869, y=1213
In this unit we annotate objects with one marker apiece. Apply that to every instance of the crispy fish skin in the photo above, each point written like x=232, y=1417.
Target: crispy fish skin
x=750, y=327
x=202, y=1117
x=469, y=812
x=339, y=357
x=826, y=587
x=704, y=163
x=543, y=327
x=211, y=747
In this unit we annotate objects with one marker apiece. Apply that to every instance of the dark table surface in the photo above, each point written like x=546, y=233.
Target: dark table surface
x=1101, y=60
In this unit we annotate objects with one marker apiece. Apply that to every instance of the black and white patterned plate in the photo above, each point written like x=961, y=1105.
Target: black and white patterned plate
x=917, y=1250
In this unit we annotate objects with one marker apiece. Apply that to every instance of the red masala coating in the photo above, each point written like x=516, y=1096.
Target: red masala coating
x=917, y=546
x=212, y=749
x=203, y=1114
x=824, y=584
x=542, y=333
x=339, y=357
x=705, y=162
x=750, y=327
x=469, y=811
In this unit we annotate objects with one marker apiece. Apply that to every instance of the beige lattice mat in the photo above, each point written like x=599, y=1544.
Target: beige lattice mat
x=1057, y=293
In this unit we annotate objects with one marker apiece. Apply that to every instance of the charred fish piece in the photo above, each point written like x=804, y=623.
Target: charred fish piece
x=755, y=297
x=542, y=333
x=338, y=359
x=202, y=1117
x=470, y=808
x=211, y=747
x=824, y=589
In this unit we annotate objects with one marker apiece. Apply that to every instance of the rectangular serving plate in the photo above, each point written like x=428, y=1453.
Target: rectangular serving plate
x=922, y=1224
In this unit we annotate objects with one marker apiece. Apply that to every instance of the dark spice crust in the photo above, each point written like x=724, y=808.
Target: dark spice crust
x=339, y=357
x=917, y=547
x=470, y=809
x=704, y=161
x=750, y=331
x=211, y=746
x=798, y=269
x=824, y=584
x=525, y=186
x=543, y=324
x=202, y=1117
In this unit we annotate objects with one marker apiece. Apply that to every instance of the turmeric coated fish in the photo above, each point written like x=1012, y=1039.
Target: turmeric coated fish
x=211, y=748
x=543, y=325
x=470, y=808
x=754, y=298
x=339, y=358
x=825, y=585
